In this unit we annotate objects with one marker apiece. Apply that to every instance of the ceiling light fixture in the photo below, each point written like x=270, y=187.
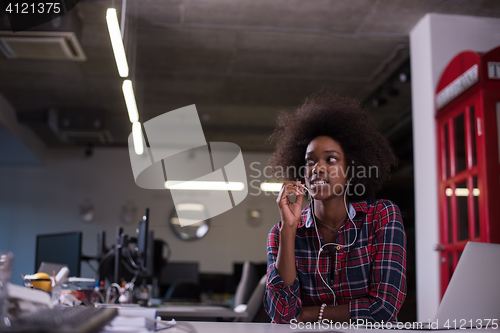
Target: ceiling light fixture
x=128, y=93
x=271, y=187
x=404, y=77
x=116, y=42
x=204, y=185
x=379, y=101
x=190, y=207
x=137, y=137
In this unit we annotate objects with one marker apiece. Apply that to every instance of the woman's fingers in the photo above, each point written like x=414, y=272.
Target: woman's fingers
x=290, y=211
x=288, y=188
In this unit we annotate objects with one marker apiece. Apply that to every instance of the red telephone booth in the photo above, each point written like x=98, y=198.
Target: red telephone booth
x=468, y=123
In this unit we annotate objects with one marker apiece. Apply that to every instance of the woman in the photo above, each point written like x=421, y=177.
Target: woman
x=342, y=257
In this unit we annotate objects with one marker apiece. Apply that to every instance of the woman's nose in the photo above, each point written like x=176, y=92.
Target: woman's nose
x=318, y=168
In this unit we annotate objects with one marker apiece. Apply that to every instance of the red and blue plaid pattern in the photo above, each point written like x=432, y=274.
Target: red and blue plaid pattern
x=370, y=275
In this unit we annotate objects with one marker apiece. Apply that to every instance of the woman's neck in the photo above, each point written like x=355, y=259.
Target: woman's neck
x=331, y=211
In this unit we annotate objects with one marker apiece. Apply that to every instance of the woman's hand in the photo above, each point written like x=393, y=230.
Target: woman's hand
x=338, y=313
x=290, y=216
x=290, y=211
x=308, y=314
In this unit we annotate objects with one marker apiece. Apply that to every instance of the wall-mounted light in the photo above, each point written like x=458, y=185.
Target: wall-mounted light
x=87, y=211
x=128, y=213
x=254, y=218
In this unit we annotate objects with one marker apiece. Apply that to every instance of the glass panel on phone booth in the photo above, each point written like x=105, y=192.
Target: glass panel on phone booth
x=472, y=119
x=458, y=124
x=447, y=151
x=475, y=194
x=462, y=194
x=449, y=193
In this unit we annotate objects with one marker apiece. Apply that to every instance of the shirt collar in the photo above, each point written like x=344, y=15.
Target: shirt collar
x=354, y=207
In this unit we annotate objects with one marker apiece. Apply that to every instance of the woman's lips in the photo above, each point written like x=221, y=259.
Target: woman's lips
x=316, y=184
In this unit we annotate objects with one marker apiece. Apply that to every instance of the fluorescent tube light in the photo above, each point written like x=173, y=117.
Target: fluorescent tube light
x=190, y=207
x=128, y=93
x=204, y=185
x=271, y=187
x=137, y=137
x=186, y=222
x=117, y=42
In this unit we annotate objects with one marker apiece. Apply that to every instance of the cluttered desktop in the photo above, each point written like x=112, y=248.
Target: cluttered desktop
x=57, y=299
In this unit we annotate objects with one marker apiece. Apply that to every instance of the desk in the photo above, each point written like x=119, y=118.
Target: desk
x=187, y=312
x=212, y=327
x=179, y=312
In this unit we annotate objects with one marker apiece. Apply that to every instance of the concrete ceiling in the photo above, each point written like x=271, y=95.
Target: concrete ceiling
x=239, y=61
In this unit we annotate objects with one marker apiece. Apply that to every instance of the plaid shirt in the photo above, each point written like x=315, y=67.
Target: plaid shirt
x=370, y=275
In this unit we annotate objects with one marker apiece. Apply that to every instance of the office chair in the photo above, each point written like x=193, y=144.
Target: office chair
x=246, y=286
x=255, y=305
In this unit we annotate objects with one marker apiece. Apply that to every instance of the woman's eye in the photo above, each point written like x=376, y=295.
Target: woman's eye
x=308, y=161
x=331, y=159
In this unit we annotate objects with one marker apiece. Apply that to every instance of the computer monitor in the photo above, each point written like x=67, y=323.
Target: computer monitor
x=142, y=234
x=180, y=271
x=115, y=263
x=148, y=265
x=63, y=248
x=145, y=246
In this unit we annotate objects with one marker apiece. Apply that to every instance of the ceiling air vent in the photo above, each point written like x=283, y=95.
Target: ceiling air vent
x=80, y=126
x=48, y=45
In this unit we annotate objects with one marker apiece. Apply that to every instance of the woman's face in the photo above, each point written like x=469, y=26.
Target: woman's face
x=325, y=168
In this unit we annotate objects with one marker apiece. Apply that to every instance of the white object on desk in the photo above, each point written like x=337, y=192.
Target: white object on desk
x=84, y=283
x=132, y=319
x=240, y=308
x=61, y=277
x=28, y=299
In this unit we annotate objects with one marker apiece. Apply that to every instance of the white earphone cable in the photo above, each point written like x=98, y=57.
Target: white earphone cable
x=319, y=239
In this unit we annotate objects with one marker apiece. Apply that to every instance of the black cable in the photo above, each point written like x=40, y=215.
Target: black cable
x=110, y=252
x=132, y=262
x=92, y=267
x=127, y=267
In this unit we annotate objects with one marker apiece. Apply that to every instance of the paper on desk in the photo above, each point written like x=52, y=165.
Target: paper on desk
x=124, y=322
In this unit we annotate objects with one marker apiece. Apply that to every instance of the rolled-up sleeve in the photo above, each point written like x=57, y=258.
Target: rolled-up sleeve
x=282, y=303
x=388, y=271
